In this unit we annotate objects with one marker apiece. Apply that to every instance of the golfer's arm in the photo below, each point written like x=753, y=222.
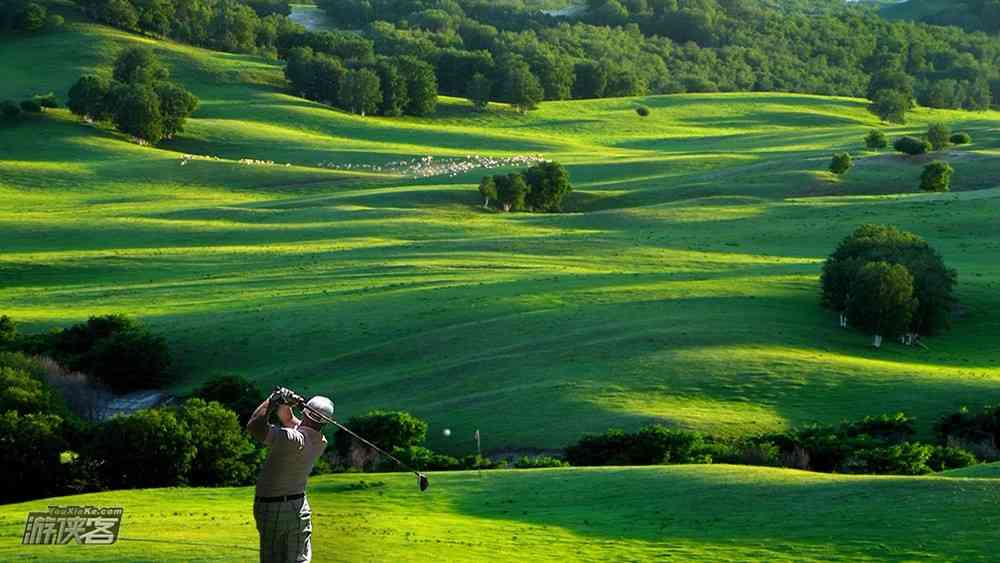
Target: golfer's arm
x=257, y=426
x=287, y=417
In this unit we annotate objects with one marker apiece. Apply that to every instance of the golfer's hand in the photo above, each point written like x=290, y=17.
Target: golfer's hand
x=283, y=395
